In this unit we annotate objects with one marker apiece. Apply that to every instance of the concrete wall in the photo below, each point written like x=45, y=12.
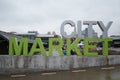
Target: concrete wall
x=12, y=64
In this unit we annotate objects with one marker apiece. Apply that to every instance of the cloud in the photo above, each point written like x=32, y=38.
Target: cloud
x=47, y=15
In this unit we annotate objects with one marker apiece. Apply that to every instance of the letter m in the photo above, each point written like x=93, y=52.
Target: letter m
x=18, y=49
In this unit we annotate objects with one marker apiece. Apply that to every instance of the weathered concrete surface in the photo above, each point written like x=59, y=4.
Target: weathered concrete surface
x=96, y=73
x=11, y=64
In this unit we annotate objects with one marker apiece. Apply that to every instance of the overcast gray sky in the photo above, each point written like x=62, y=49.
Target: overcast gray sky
x=47, y=15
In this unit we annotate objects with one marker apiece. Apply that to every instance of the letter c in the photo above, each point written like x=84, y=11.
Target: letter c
x=63, y=33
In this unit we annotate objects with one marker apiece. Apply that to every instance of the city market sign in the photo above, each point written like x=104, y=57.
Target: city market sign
x=22, y=47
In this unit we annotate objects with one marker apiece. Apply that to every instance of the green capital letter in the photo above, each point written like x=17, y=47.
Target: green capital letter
x=18, y=49
x=37, y=47
x=87, y=46
x=105, y=45
x=58, y=46
x=73, y=46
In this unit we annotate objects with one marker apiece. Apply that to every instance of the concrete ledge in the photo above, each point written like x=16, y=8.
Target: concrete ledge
x=12, y=64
